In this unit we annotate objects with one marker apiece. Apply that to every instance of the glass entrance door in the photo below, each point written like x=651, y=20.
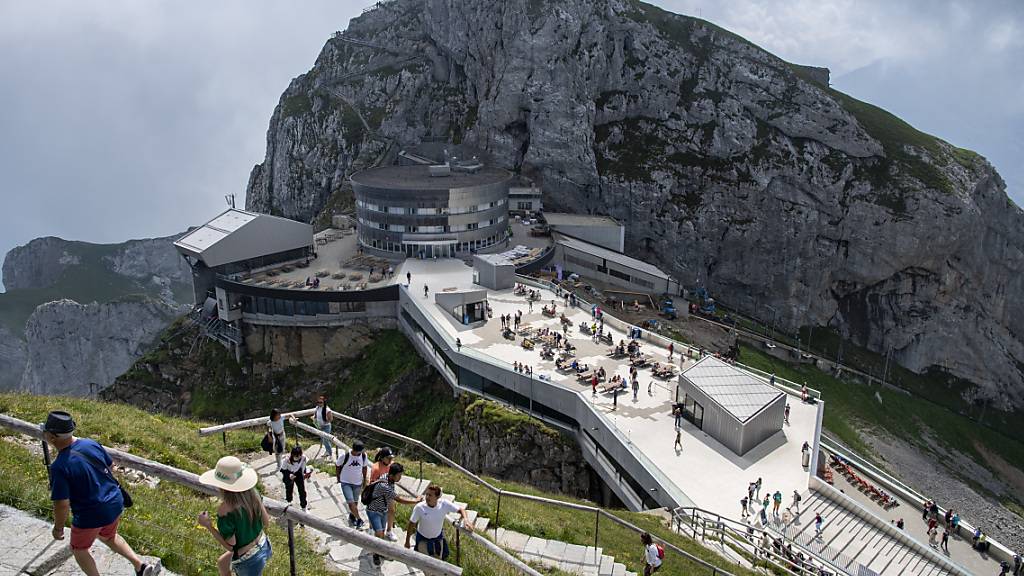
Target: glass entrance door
x=694, y=412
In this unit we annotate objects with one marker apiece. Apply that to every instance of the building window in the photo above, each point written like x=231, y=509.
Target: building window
x=396, y=228
x=642, y=282
x=618, y=274
x=472, y=226
x=525, y=205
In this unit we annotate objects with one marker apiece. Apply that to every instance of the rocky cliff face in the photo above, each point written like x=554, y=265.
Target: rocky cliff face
x=731, y=168
x=75, y=315
x=79, y=349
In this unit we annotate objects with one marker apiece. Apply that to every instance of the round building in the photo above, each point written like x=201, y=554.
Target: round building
x=431, y=211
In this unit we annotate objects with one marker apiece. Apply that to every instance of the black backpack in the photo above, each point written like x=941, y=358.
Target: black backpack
x=366, y=497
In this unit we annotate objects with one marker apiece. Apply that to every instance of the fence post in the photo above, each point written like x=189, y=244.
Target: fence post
x=224, y=437
x=497, y=515
x=46, y=462
x=291, y=545
x=458, y=546
x=597, y=524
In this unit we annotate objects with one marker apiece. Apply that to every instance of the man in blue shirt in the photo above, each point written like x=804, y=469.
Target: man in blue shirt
x=83, y=484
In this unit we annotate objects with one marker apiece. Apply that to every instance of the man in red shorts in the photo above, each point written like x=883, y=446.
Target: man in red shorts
x=84, y=484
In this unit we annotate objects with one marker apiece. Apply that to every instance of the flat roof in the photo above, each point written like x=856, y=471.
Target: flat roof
x=738, y=392
x=605, y=253
x=566, y=219
x=501, y=259
x=235, y=235
x=419, y=178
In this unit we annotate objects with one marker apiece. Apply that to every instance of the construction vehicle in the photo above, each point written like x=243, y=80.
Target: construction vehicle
x=668, y=308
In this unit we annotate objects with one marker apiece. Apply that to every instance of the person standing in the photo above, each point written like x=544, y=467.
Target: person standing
x=381, y=464
x=294, y=474
x=818, y=522
x=593, y=384
x=796, y=502
x=351, y=470
x=382, y=502
x=322, y=418
x=653, y=554
x=671, y=350
x=786, y=420
x=945, y=539
x=241, y=518
x=408, y=279
x=427, y=523
x=776, y=502
x=615, y=398
x=84, y=485
x=636, y=388
x=276, y=426
x=743, y=505
x=425, y=290
x=757, y=488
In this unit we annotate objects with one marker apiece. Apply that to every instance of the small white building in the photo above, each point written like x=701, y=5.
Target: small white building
x=611, y=267
x=524, y=199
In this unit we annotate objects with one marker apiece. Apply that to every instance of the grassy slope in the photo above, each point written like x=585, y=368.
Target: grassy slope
x=91, y=280
x=162, y=522
x=544, y=520
x=851, y=405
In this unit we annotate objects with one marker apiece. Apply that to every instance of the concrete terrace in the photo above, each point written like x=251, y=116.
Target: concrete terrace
x=708, y=473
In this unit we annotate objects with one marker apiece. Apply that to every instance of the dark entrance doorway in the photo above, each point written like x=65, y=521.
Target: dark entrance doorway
x=694, y=412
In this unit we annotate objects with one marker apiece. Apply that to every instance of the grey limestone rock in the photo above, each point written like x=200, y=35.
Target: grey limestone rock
x=730, y=167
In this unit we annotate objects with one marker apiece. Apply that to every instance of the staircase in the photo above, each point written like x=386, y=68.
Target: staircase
x=851, y=543
x=325, y=501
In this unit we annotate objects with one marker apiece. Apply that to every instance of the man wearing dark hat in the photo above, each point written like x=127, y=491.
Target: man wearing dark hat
x=84, y=484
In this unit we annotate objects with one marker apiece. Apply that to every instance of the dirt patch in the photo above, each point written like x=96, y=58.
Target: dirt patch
x=1010, y=475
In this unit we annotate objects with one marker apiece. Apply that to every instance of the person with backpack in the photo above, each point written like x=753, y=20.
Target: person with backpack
x=241, y=519
x=654, y=554
x=379, y=499
x=796, y=502
x=351, y=470
x=776, y=502
x=82, y=483
x=427, y=522
x=322, y=418
x=294, y=474
x=275, y=427
x=381, y=464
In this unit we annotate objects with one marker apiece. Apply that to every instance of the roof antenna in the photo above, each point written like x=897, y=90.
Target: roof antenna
x=230, y=199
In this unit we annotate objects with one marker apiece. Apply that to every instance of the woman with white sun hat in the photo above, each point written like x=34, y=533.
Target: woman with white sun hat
x=240, y=519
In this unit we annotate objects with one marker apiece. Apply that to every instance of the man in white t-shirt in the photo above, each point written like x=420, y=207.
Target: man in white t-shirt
x=427, y=522
x=352, y=470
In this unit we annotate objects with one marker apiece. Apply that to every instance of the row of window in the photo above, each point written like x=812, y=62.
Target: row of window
x=432, y=229
x=429, y=211
x=609, y=271
x=430, y=251
x=280, y=307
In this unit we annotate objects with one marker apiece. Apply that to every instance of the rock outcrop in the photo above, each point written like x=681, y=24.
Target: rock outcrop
x=12, y=359
x=79, y=349
x=731, y=168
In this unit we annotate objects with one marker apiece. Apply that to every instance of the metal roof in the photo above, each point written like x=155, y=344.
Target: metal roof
x=567, y=219
x=235, y=235
x=617, y=257
x=739, y=393
x=412, y=178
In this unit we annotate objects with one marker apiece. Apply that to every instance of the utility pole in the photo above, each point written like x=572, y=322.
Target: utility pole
x=888, y=356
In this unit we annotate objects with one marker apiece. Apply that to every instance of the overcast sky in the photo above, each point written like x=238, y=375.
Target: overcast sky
x=132, y=118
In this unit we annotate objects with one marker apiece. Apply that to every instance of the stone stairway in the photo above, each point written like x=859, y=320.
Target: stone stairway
x=30, y=550
x=851, y=543
x=324, y=500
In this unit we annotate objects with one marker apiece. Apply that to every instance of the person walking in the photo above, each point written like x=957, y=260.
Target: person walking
x=615, y=398
x=945, y=539
x=322, y=418
x=275, y=426
x=83, y=484
x=743, y=504
x=530, y=303
x=294, y=474
x=764, y=504
x=757, y=488
x=458, y=344
x=351, y=470
x=426, y=290
x=679, y=440
x=786, y=419
x=381, y=464
x=776, y=502
x=382, y=502
x=408, y=279
x=427, y=523
x=241, y=519
x=653, y=554
x=1017, y=565
x=671, y=350
x=796, y=502
x=593, y=384
x=818, y=523
x=636, y=388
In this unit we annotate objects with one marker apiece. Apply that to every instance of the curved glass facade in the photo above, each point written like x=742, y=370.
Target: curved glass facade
x=403, y=210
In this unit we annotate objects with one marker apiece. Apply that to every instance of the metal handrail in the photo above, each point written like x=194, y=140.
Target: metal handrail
x=600, y=512
x=741, y=540
x=277, y=508
x=724, y=520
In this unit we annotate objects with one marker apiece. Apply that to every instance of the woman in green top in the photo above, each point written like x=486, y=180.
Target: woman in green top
x=240, y=519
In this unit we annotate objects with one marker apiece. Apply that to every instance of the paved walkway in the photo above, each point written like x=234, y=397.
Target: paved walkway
x=29, y=549
x=325, y=501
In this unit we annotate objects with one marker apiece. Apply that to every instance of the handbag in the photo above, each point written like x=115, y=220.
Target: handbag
x=125, y=496
x=267, y=443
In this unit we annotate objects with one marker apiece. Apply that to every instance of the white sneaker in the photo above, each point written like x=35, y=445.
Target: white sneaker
x=391, y=536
